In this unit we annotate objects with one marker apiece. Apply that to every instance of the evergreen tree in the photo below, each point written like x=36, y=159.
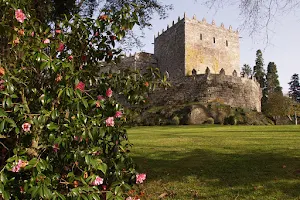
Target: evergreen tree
x=246, y=70
x=294, y=90
x=258, y=69
x=272, y=82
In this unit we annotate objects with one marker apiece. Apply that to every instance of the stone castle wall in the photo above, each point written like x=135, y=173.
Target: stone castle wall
x=207, y=45
x=190, y=46
x=202, y=62
x=225, y=89
x=169, y=50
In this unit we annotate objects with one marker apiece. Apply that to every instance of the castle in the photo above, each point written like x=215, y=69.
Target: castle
x=202, y=62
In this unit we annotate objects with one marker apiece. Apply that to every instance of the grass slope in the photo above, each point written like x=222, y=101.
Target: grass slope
x=219, y=162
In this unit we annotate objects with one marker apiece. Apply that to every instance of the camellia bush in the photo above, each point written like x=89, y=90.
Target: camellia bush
x=62, y=132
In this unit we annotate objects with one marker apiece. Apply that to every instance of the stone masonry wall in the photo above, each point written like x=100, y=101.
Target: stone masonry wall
x=139, y=61
x=229, y=90
x=169, y=50
x=207, y=45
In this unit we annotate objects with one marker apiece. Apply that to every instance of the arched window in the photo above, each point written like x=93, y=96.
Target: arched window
x=226, y=43
x=201, y=36
x=214, y=40
x=194, y=72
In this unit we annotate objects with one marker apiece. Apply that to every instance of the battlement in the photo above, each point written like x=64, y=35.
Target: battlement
x=195, y=20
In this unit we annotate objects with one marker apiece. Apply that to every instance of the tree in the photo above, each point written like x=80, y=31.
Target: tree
x=272, y=82
x=277, y=105
x=62, y=129
x=257, y=15
x=246, y=70
x=49, y=11
x=294, y=90
x=258, y=69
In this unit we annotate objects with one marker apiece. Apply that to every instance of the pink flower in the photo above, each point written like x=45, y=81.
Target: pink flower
x=16, y=41
x=97, y=181
x=100, y=97
x=140, y=178
x=98, y=104
x=129, y=198
x=20, y=16
x=46, y=41
x=76, y=138
x=19, y=165
x=110, y=121
x=104, y=187
x=32, y=34
x=57, y=31
x=80, y=86
x=55, y=148
x=2, y=86
x=109, y=92
x=118, y=114
x=26, y=127
x=96, y=34
x=61, y=47
x=16, y=168
x=70, y=57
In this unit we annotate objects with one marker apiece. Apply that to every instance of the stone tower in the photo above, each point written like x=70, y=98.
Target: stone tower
x=191, y=46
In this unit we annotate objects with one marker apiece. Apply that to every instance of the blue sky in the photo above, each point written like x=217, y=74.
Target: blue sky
x=284, y=47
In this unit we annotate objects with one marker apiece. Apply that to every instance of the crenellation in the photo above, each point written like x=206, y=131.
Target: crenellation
x=213, y=23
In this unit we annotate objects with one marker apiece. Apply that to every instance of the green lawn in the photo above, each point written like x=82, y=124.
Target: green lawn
x=219, y=162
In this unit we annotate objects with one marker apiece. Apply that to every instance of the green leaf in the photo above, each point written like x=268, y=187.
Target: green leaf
x=102, y=167
x=6, y=195
x=109, y=195
x=2, y=113
x=60, y=196
x=12, y=122
x=84, y=197
x=2, y=125
x=85, y=103
x=90, y=135
x=34, y=191
x=47, y=192
x=117, y=190
x=119, y=198
x=95, y=196
x=52, y=126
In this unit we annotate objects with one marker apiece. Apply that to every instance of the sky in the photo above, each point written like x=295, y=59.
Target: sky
x=283, y=47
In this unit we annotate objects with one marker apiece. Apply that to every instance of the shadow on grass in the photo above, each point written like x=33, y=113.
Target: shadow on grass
x=276, y=171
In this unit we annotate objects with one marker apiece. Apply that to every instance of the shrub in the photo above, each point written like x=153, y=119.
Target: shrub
x=210, y=121
x=62, y=129
x=220, y=116
x=175, y=120
x=231, y=120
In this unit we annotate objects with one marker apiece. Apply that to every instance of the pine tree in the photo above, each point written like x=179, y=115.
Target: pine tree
x=272, y=82
x=294, y=90
x=258, y=69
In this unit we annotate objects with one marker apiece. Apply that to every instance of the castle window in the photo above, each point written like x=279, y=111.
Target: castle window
x=214, y=40
x=226, y=43
x=201, y=36
x=194, y=72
